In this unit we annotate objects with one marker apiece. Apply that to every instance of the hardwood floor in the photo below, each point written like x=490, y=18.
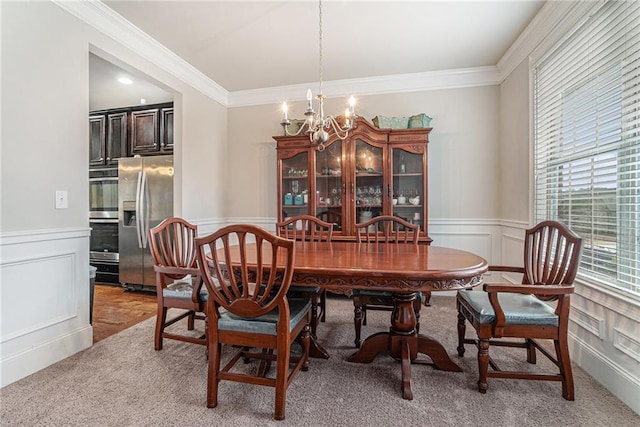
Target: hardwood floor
x=115, y=309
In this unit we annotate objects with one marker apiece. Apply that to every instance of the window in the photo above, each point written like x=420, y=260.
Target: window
x=587, y=141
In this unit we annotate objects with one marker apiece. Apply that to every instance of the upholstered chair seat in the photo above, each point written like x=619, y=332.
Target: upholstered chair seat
x=265, y=324
x=183, y=289
x=518, y=309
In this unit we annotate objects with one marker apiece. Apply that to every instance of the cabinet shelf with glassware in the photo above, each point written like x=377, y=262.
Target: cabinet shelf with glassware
x=370, y=173
x=293, y=173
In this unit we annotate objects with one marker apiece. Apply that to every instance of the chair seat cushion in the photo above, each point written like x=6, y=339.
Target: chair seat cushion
x=183, y=289
x=518, y=309
x=367, y=292
x=266, y=324
x=305, y=289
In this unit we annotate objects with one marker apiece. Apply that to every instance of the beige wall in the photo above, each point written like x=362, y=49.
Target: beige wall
x=204, y=159
x=463, y=150
x=514, y=178
x=44, y=131
x=251, y=188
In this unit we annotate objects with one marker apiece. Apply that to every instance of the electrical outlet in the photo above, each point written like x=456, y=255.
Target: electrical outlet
x=62, y=200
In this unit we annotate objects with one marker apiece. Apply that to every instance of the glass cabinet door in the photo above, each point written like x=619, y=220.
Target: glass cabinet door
x=329, y=185
x=295, y=185
x=408, y=191
x=369, y=182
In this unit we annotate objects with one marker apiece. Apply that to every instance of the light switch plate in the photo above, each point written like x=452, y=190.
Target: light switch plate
x=62, y=200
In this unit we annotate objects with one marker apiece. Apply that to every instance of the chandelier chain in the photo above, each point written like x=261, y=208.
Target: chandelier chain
x=318, y=126
x=320, y=41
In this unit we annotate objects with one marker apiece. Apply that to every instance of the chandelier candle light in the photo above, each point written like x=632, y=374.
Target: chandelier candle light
x=317, y=125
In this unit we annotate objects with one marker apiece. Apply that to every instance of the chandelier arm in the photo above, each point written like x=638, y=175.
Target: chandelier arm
x=337, y=129
x=306, y=127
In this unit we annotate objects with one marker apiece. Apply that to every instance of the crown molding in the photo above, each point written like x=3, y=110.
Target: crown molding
x=107, y=21
x=555, y=19
x=399, y=83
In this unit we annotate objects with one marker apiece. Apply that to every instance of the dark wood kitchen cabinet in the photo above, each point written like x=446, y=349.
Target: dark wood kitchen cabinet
x=97, y=139
x=125, y=132
x=116, y=145
x=374, y=171
x=166, y=129
x=107, y=138
x=145, y=131
x=152, y=130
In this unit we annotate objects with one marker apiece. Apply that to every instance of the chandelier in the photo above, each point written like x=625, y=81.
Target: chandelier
x=317, y=125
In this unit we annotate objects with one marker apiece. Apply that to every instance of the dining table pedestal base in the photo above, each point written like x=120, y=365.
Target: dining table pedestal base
x=403, y=344
x=316, y=350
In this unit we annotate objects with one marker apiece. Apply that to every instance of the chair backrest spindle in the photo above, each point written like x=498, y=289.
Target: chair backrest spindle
x=305, y=228
x=394, y=230
x=551, y=255
x=172, y=244
x=248, y=280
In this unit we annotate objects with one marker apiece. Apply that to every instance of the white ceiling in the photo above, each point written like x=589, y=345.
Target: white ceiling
x=106, y=92
x=243, y=45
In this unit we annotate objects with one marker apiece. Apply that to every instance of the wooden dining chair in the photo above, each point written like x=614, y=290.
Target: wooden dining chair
x=307, y=228
x=386, y=229
x=551, y=257
x=248, y=308
x=178, y=281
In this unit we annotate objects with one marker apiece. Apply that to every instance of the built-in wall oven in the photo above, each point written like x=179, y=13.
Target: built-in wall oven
x=103, y=219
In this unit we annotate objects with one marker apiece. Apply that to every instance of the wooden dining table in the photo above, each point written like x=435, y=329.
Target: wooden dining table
x=401, y=269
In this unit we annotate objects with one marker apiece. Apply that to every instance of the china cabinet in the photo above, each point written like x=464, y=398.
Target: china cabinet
x=372, y=172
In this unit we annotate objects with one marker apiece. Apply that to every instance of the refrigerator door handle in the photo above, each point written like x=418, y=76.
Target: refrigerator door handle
x=143, y=209
x=138, y=216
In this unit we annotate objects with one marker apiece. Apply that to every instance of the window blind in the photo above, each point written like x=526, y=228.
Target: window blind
x=587, y=141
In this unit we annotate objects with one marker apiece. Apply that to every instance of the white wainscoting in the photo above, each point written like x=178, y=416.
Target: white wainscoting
x=604, y=339
x=45, y=300
x=208, y=226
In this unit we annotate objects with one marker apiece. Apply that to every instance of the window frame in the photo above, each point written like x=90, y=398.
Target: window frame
x=552, y=45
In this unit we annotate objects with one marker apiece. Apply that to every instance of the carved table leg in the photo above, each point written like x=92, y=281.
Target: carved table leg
x=437, y=354
x=407, y=393
x=372, y=346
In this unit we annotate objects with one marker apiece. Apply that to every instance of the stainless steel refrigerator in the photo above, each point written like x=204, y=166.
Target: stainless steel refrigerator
x=145, y=198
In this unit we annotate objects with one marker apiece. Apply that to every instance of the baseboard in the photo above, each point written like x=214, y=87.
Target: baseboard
x=618, y=382
x=39, y=357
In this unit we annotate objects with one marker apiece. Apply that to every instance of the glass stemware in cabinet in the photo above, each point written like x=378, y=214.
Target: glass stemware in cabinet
x=295, y=185
x=329, y=184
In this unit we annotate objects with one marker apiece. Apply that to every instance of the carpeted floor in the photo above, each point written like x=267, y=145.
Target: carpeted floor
x=122, y=381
